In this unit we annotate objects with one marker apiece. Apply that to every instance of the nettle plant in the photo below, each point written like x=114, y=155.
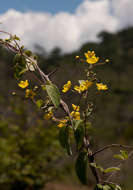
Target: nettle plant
x=75, y=121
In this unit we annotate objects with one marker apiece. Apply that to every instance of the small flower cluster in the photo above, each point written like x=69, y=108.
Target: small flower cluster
x=83, y=86
x=101, y=86
x=48, y=115
x=67, y=86
x=29, y=93
x=91, y=57
x=23, y=84
x=75, y=114
x=62, y=123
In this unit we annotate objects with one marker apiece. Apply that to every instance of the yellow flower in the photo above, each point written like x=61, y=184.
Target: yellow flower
x=101, y=86
x=75, y=115
x=76, y=108
x=77, y=88
x=86, y=84
x=62, y=123
x=83, y=86
x=67, y=86
x=29, y=93
x=77, y=57
x=23, y=84
x=91, y=57
x=107, y=60
x=48, y=115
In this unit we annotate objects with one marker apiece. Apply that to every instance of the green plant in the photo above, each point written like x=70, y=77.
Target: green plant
x=73, y=120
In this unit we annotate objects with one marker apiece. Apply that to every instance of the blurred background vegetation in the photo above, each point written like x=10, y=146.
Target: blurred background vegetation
x=30, y=154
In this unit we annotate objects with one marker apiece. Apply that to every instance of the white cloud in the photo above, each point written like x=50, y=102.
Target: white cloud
x=123, y=11
x=65, y=30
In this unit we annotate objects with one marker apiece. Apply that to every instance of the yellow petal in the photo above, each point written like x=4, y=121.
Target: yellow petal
x=23, y=84
x=101, y=86
x=76, y=108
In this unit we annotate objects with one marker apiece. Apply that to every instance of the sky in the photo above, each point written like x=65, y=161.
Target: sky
x=52, y=6
x=66, y=24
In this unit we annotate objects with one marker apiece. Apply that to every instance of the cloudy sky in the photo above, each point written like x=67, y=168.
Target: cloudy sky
x=63, y=23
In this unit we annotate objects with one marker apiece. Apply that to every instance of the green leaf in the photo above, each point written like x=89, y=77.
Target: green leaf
x=81, y=167
x=111, y=169
x=124, y=153
x=39, y=103
x=16, y=38
x=77, y=123
x=43, y=87
x=28, y=53
x=79, y=134
x=64, y=139
x=97, y=188
x=100, y=186
x=115, y=187
x=118, y=156
x=122, y=156
x=107, y=187
x=97, y=166
x=54, y=94
x=118, y=187
x=20, y=65
x=89, y=110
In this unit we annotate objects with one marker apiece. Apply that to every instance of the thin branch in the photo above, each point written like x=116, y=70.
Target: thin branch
x=119, y=166
x=111, y=146
x=94, y=170
x=44, y=77
x=53, y=72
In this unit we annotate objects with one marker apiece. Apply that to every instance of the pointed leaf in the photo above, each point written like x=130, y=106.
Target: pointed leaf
x=118, y=187
x=54, y=94
x=98, y=187
x=81, y=167
x=115, y=187
x=124, y=154
x=97, y=166
x=111, y=169
x=39, y=103
x=79, y=134
x=20, y=65
x=64, y=139
x=107, y=187
x=77, y=123
x=119, y=156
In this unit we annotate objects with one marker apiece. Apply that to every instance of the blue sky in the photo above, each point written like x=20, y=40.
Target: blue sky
x=66, y=24
x=52, y=6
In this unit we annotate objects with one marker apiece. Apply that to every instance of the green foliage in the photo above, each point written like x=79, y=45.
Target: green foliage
x=111, y=169
x=122, y=156
x=81, y=167
x=20, y=65
x=64, y=139
x=97, y=166
x=113, y=121
x=54, y=94
x=107, y=187
x=79, y=133
x=39, y=103
x=27, y=156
